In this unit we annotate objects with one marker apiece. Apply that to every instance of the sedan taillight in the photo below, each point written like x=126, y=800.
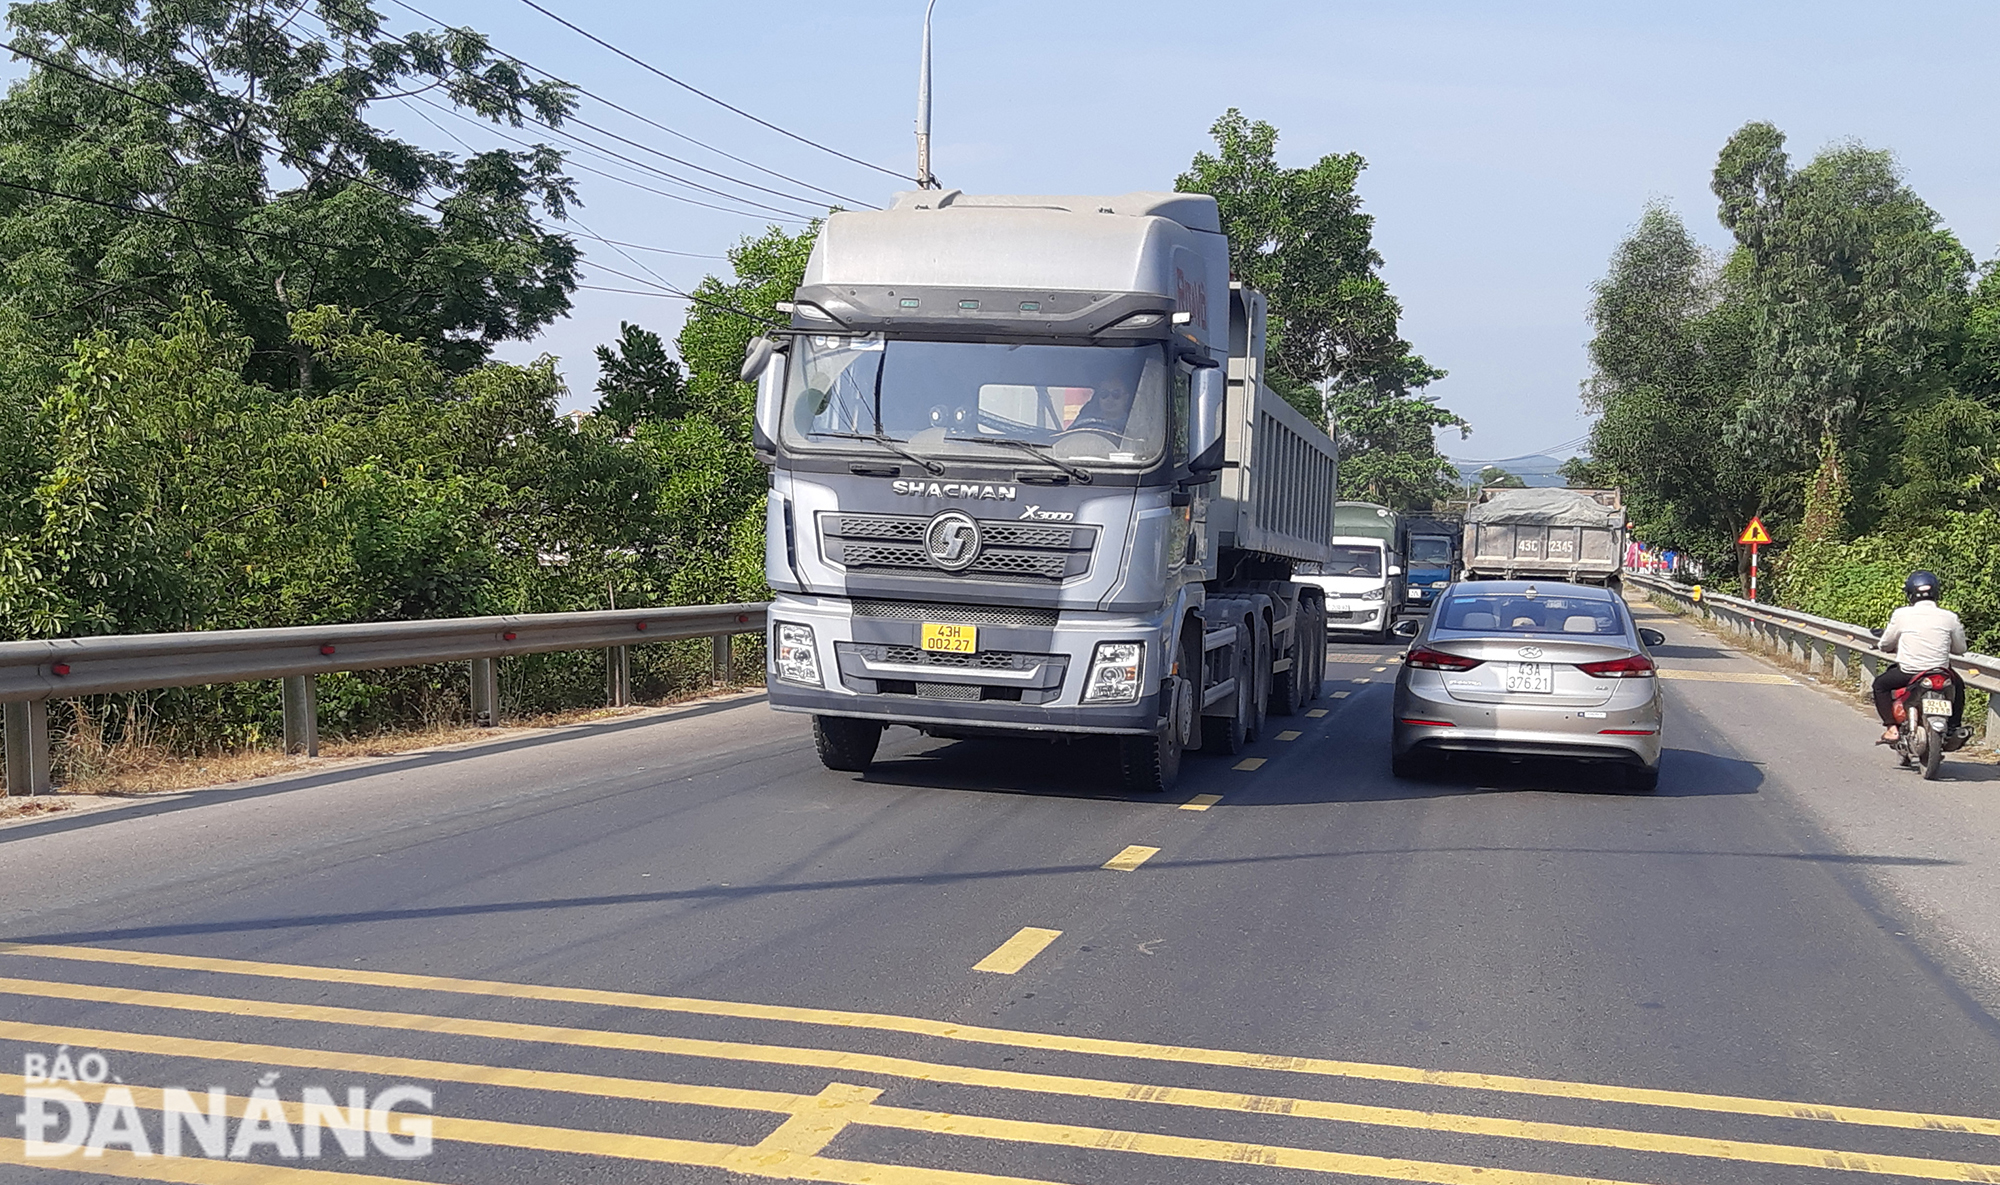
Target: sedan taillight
x=1426, y=659
x=1638, y=666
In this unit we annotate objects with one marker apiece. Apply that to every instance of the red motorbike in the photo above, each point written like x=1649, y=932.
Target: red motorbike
x=1923, y=722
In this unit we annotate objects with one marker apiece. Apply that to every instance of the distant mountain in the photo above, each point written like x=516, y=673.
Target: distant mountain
x=1538, y=469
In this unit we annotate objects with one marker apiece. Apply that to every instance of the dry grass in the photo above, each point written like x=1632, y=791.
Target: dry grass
x=150, y=766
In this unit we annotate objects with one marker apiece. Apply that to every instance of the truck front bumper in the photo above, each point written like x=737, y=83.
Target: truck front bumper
x=1026, y=676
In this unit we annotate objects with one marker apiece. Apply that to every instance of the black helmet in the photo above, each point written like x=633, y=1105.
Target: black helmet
x=1921, y=586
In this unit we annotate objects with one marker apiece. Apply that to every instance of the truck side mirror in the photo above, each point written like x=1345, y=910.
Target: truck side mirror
x=1395, y=569
x=1205, y=433
x=764, y=365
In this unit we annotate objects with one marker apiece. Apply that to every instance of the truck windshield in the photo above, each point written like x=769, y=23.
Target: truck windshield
x=1353, y=561
x=1430, y=551
x=1098, y=404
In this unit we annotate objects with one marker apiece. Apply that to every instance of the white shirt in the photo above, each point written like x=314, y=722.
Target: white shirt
x=1924, y=636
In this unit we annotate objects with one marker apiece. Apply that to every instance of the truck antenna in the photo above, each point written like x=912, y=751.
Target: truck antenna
x=924, y=178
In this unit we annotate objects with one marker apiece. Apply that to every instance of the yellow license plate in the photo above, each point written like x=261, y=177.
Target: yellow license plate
x=950, y=639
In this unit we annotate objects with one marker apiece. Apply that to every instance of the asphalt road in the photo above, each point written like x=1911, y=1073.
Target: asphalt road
x=674, y=948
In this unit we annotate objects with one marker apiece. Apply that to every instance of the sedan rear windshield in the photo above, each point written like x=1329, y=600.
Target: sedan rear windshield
x=1512, y=613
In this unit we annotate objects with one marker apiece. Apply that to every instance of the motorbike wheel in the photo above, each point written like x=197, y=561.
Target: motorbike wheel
x=1933, y=752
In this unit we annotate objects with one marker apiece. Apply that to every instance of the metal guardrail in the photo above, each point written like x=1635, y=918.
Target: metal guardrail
x=1839, y=649
x=34, y=672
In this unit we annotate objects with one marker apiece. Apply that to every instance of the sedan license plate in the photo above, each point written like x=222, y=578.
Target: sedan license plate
x=1340, y=614
x=950, y=639
x=1530, y=676
x=1941, y=708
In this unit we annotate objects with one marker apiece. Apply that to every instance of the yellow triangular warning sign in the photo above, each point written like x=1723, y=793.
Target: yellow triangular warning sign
x=1754, y=533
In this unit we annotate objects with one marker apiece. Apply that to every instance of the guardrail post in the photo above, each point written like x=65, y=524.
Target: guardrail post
x=27, y=737
x=1843, y=672
x=724, y=659
x=486, y=692
x=301, y=699
x=618, y=676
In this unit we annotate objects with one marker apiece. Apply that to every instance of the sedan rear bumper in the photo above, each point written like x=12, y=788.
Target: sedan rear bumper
x=1619, y=730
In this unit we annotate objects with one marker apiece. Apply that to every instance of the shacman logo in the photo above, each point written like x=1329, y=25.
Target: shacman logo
x=956, y=489
x=87, y=1116
x=952, y=539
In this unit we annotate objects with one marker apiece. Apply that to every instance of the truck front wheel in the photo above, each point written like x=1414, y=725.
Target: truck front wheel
x=1152, y=764
x=846, y=744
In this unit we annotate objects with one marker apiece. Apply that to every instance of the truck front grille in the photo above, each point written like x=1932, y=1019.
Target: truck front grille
x=1009, y=551
x=960, y=614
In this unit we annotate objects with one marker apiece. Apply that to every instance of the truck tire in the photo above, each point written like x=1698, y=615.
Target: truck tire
x=846, y=744
x=1288, y=685
x=1316, y=631
x=1260, y=677
x=1152, y=764
x=1226, y=735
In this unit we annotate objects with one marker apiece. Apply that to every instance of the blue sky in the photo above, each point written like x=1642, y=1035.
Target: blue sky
x=1510, y=146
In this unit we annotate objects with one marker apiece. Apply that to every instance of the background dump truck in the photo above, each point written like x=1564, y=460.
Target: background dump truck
x=1546, y=534
x=1027, y=480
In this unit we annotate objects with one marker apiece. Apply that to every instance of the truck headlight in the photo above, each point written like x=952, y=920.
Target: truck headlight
x=1373, y=594
x=797, y=661
x=1114, y=673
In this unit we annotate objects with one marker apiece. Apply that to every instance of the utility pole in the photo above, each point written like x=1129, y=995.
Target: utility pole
x=924, y=178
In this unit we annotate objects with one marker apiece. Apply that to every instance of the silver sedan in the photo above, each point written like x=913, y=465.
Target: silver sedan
x=1532, y=669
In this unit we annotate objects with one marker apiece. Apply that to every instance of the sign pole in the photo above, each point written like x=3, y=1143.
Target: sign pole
x=1754, y=535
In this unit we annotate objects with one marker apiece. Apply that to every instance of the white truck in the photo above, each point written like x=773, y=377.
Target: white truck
x=1362, y=576
x=1027, y=480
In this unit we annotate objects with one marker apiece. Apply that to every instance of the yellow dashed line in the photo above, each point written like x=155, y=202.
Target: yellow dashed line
x=1201, y=802
x=1018, y=951
x=1378, y=668
x=1250, y=763
x=1132, y=857
x=1316, y=713
x=1289, y=735
x=1345, y=694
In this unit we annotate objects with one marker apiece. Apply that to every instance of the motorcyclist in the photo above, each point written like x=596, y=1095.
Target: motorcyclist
x=1923, y=635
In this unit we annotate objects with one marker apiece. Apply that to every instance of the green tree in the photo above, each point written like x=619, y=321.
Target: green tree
x=638, y=382
x=1855, y=293
x=234, y=162
x=1299, y=236
x=1669, y=361
x=1388, y=448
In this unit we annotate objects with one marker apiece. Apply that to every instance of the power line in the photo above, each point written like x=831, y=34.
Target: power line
x=785, y=215
x=645, y=65
x=649, y=121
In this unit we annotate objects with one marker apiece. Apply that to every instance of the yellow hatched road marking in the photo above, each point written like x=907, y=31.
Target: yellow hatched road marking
x=1201, y=802
x=948, y=1030
x=1316, y=713
x=1131, y=858
x=842, y=1060
x=1015, y=953
x=789, y=1153
x=1728, y=677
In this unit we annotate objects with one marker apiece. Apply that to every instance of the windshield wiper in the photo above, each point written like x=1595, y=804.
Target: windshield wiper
x=1042, y=451
x=888, y=442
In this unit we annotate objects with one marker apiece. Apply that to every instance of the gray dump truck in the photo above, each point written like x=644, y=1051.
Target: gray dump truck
x=1027, y=480
x=1545, y=534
